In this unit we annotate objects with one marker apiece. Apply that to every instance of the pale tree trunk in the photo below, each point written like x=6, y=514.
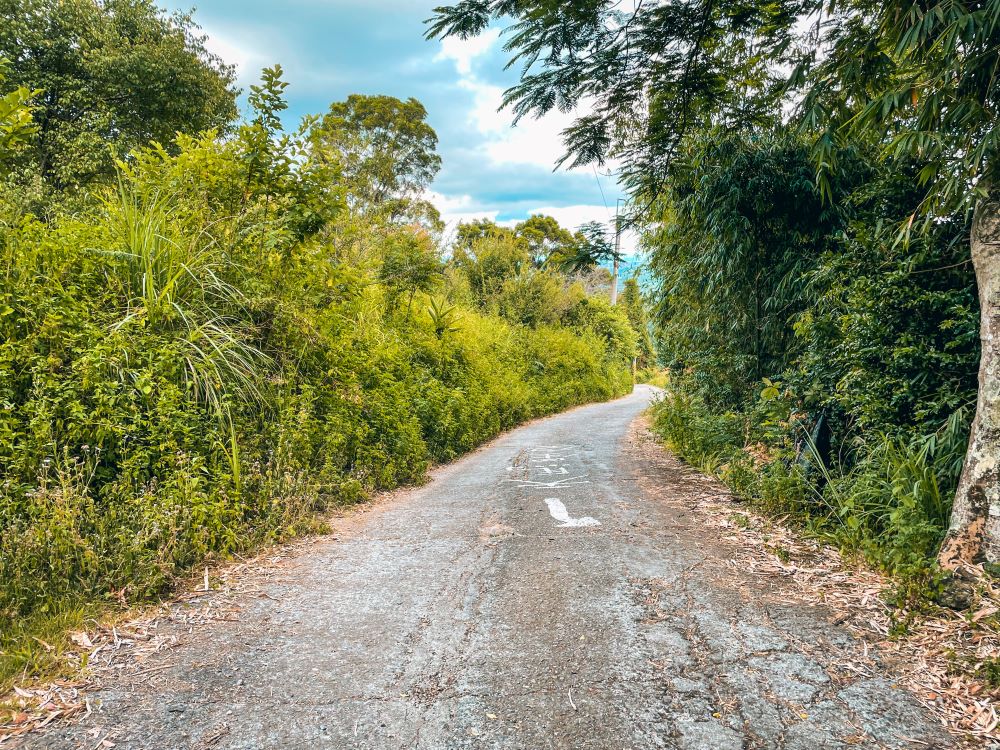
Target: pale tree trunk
x=614, y=284
x=974, y=536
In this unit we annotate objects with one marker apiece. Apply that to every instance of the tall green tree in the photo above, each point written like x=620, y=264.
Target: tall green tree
x=468, y=233
x=920, y=79
x=386, y=152
x=635, y=308
x=113, y=75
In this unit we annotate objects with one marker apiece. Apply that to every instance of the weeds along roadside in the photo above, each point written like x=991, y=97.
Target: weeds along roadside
x=888, y=500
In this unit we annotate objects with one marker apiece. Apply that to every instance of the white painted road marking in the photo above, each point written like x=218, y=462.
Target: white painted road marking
x=557, y=483
x=558, y=511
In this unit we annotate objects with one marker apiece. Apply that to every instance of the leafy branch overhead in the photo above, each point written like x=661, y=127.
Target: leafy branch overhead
x=641, y=80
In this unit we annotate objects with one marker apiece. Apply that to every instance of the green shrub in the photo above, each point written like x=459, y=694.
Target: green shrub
x=891, y=501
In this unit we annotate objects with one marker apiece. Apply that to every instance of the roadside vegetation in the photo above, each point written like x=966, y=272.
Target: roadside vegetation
x=212, y=330
x=824, y=371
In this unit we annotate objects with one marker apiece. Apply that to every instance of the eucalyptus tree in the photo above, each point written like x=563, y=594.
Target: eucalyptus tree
x=386, y=152
x=545, y=237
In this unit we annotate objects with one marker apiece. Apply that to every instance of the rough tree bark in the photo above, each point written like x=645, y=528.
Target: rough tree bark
x=974, y=535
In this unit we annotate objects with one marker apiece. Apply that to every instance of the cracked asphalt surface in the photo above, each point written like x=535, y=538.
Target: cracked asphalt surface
x=473, y=613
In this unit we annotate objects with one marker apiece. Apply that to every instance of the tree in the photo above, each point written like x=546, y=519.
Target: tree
x=635, y=309
x=468, y=233
x=742, y=227
x=545, y=238
x=489, y=260
x=386, y=152
x=410, y=264
x=920, y=80
x=113, y=75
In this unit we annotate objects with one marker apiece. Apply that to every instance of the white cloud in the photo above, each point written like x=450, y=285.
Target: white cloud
x=458, y=209
x=463, y=51
x=247, y=59
x=572, y=217
x=535, y=142
x=532, y=143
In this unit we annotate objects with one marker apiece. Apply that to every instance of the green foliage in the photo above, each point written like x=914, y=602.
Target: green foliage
x=16, y=123
x=695, y=434
x=593, y=246
x=895, y=503
x=742, y=228
x=113, y=76
x=410, y=264
x=489, y=261
x=385, y=151
x=635, y=309
x=827, y=341
x=919, y=79
x=545, y=238
x=545, y=241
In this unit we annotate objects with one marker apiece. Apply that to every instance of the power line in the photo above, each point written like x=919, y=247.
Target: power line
x=605, y=200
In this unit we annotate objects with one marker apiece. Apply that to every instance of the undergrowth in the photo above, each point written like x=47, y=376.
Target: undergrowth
x=888, y=500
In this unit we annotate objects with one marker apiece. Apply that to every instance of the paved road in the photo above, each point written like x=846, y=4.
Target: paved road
x=532, y=596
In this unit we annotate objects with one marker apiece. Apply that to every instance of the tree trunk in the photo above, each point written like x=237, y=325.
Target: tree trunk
x=974, y=536
x=614, y=284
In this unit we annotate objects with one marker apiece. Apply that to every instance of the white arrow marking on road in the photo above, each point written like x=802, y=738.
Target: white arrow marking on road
x=558, y=511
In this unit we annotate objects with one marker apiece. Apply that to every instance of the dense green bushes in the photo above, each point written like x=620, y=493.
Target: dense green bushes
x=818, y=364
x=204, y=354
x=891, y=504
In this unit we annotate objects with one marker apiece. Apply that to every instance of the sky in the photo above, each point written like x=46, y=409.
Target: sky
x=332, y=48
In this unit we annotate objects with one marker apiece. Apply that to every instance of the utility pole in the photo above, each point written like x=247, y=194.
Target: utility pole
x=618, y=245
